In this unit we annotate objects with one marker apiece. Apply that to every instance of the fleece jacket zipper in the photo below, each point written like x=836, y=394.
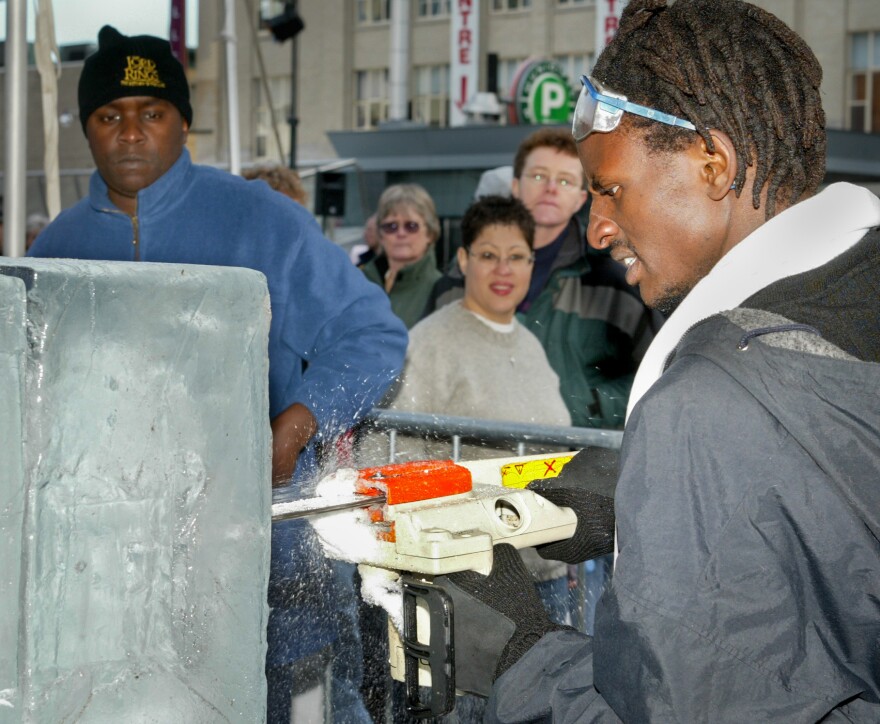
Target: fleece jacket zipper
x=136, y=240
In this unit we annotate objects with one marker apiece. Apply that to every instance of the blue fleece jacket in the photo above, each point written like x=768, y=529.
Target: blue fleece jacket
x=334, y=344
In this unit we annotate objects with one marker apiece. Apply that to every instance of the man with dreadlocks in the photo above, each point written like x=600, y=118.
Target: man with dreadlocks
x=747, y=581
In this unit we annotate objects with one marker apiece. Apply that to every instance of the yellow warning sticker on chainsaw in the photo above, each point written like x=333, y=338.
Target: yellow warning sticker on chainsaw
x=518, y=475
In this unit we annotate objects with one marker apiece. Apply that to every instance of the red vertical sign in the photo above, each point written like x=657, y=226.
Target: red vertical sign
x=607, y=19
x=177, y=31
x=464, y=57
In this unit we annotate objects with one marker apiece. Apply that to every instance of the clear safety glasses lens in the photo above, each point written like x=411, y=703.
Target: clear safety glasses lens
x=591, y=114
x=599, y=109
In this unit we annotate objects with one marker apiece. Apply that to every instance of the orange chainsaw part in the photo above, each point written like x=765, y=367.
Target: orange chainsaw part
x=419, y=480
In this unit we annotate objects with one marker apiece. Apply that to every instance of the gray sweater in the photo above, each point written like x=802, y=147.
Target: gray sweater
x=458, y=365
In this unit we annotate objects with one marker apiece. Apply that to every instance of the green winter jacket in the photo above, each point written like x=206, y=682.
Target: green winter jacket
x=412, y=287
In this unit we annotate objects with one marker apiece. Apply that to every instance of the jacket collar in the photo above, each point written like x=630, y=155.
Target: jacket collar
x=415, y=269
x=161, y=194
x=573, y=246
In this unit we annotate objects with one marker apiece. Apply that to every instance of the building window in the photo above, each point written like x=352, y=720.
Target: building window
x=864, y=82
x=265, y=146
x=431, y=102
x=433, y=8
x=578, y=3
x=507, y=68
x=371, y=105
x=574, y=66
x=508, y=5
x=373, y=11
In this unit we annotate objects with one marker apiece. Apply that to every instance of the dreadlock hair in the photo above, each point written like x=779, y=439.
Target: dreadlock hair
x=728, y=65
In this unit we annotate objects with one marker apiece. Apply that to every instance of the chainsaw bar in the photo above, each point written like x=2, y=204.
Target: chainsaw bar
x=304, y=507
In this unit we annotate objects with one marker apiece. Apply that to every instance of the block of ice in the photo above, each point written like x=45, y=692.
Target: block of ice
x=12, y=358
x=139, y=590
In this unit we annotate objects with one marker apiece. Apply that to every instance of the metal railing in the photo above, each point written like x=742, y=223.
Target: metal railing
x=487, y=431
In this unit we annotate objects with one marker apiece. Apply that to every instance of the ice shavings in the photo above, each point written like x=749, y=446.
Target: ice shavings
x=335, y=488
x=338, y=485
x=347, y=535
x=381, y=587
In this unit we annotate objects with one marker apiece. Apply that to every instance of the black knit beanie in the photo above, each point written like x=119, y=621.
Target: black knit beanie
x=140, y=65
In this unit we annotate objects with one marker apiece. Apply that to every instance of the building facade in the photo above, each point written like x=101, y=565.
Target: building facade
x=355, y=57
x=344, y=64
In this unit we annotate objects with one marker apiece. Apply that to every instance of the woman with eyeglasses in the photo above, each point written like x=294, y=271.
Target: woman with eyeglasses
x=406, y=268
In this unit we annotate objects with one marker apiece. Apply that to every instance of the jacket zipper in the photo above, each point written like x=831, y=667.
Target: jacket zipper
x=135, y=227
x=136, y=241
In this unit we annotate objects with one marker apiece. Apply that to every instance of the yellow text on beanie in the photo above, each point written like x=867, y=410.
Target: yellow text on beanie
x=139, y=65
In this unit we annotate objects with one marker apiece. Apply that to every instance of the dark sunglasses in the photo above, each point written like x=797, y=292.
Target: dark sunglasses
x=391, y=227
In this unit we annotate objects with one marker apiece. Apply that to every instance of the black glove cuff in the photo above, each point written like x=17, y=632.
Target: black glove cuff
x=521, y=642
x=497, y=618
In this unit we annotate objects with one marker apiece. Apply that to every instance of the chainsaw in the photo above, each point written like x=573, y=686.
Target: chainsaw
x=426, y=519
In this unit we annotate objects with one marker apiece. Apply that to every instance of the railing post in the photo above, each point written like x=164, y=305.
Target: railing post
x=392, y=445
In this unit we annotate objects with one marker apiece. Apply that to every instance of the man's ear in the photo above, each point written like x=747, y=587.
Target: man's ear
x=719, y=167
x=514, y=187
x=462, y=260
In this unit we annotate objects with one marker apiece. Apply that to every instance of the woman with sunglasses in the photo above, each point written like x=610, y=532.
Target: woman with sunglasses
x=406, y=268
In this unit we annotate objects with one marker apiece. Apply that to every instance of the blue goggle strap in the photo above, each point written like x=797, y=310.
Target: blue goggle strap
x=644, y=111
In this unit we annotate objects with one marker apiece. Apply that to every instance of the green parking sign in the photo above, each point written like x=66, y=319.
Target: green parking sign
x=542, y=93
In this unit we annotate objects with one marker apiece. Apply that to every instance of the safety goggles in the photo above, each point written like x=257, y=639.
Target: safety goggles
x=600, y=110
x=391, y=227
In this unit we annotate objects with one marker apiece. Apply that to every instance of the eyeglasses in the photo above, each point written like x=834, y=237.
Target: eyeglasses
x=600, y=110
x=490, y=259
x=391, y=227
x=563, y=183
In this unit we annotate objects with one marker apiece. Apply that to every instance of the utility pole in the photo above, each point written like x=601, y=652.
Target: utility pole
x=292, y=119
x=15, y=118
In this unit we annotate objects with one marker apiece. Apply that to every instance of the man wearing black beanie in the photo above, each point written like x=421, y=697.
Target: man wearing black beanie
x=131, y=66
x=149, y=202
x=133, y=85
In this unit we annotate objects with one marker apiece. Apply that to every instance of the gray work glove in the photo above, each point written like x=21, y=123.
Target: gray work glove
x=497, y=618
x=587, y=487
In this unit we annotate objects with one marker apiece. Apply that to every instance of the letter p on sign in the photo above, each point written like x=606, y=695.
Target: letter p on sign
x=553, y=97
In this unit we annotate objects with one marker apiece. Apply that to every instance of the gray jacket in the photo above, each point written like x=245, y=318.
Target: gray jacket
x=747, y=586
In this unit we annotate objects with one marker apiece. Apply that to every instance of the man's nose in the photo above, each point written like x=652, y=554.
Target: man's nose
x=601, y=231
x=130, y=130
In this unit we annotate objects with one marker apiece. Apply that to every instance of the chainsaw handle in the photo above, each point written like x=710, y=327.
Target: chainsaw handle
x=438, y=654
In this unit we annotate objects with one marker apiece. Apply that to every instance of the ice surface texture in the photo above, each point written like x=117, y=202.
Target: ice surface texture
x=134, y=492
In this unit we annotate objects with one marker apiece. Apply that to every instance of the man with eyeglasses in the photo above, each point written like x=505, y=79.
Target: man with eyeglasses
x=593, y=327
x=747, y=579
